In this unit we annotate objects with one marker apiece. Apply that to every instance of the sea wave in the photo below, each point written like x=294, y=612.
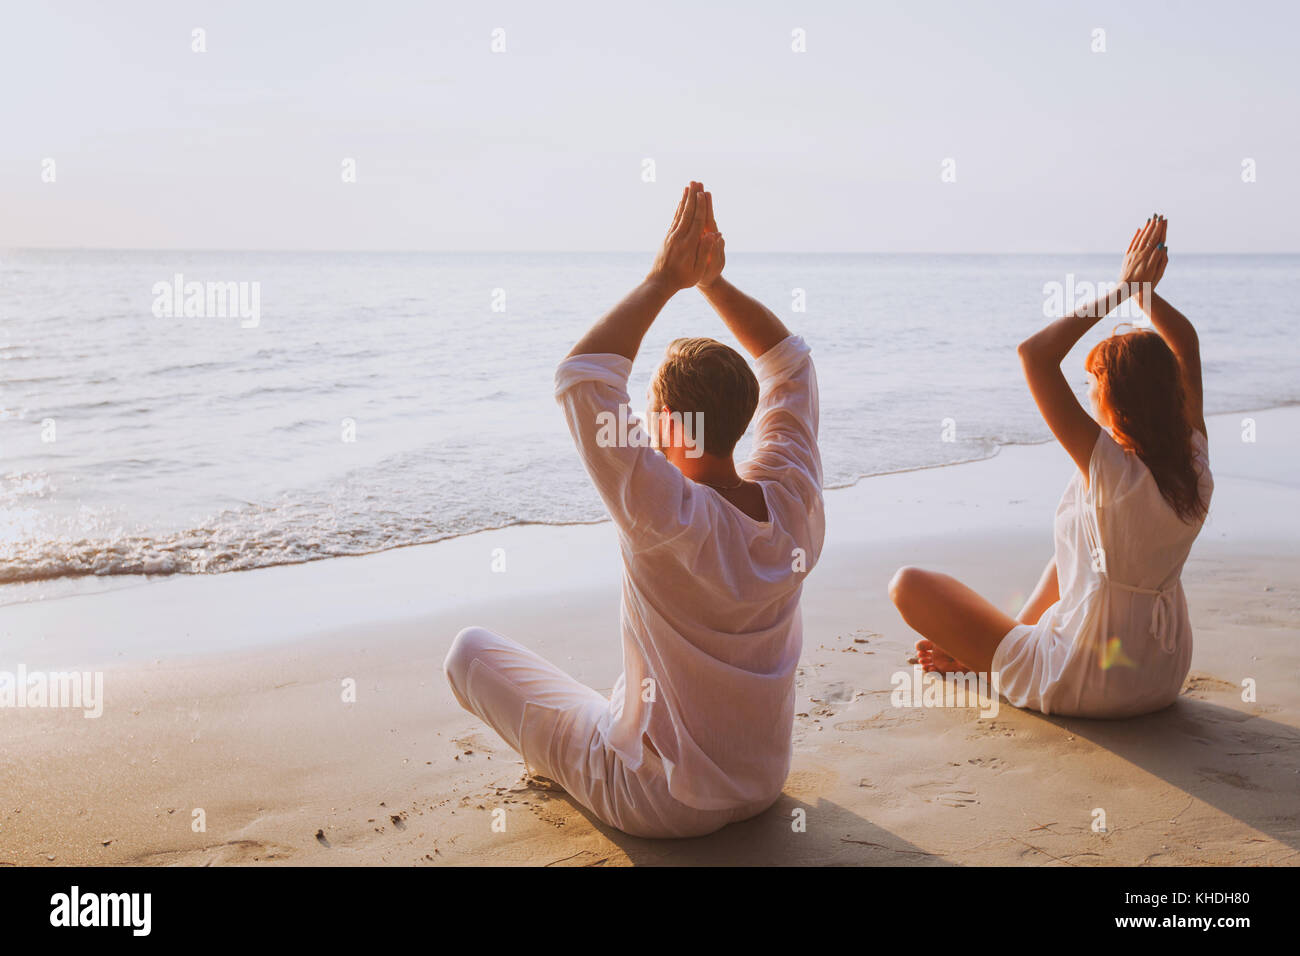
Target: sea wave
x=350, y=521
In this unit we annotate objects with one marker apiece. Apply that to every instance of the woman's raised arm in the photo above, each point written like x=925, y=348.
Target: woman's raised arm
x=1042, y=353
x=1179, y=335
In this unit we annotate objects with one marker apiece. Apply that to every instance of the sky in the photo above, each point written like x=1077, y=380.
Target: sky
x=543, y=146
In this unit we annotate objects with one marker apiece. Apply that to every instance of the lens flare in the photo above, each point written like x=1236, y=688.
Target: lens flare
x=1112, y=655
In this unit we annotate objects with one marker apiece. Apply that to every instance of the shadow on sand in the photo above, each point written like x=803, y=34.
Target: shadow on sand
x=832, y=835
x=1243, y=765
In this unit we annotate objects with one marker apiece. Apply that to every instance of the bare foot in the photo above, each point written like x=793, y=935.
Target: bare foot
x=932, y=657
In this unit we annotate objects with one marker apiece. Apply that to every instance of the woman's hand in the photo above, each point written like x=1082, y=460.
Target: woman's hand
x=686, y=254
x=1146, y=258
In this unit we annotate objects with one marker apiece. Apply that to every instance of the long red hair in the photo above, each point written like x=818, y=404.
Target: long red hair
x=1141, y=385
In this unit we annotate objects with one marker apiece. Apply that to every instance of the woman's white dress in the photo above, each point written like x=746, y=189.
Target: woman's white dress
x=1119, y=641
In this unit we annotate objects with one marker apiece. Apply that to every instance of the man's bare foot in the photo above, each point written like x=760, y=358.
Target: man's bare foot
x=932, y=657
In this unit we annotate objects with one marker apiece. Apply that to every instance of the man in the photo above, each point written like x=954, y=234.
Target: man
x=696, y=733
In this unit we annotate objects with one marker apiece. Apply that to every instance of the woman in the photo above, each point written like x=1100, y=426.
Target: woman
x=1106, y=632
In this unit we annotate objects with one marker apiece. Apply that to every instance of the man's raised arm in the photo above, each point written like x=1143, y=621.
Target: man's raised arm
x=749, y=320
x=679, y=265
x=752, y=323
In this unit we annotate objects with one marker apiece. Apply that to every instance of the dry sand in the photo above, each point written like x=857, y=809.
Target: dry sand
x=225, y=694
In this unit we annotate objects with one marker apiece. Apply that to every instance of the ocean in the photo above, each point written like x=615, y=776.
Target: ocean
x=342, y=404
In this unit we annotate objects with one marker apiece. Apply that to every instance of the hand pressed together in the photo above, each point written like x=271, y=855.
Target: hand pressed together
x=692, y=253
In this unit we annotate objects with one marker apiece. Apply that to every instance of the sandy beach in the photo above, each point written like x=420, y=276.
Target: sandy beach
x=225, y=694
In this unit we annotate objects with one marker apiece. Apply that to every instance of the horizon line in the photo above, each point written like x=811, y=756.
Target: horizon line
x=583, y=252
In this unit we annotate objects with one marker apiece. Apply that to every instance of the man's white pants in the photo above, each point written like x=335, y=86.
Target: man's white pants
x=553, y=721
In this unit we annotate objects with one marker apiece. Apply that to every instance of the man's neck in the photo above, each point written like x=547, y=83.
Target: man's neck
x=707, y=469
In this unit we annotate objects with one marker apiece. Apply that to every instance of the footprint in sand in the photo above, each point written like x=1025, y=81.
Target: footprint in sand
x=831, y=698
x=990, y=728
x=836, y=692
x=1255, y=620
x=230, y=853
x=853, y=726
x=996, y=764
x=945, y=794
x=881, y=721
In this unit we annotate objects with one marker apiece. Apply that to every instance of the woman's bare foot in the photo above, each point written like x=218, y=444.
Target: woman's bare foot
x=932, y=657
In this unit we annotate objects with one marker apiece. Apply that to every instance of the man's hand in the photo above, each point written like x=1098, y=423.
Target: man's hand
x=687, y=254
x=713, y=247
